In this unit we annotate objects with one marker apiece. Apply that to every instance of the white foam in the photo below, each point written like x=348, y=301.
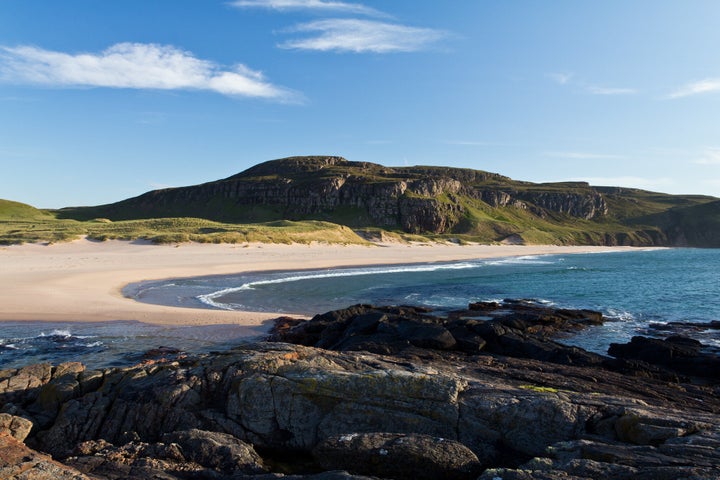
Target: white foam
x=62, y=333
x=621, y=315
x=9, y=346
x=522, y=260
x=56, y=333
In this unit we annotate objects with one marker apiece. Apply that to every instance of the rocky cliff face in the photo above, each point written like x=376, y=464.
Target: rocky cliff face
x=423, y=201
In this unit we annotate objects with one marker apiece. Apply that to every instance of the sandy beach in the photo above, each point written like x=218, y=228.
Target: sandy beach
x=83, y=280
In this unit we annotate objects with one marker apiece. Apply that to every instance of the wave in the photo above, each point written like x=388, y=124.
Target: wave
x=56, y=333
x=64, y=334
x=210, y=298
x=523, y=260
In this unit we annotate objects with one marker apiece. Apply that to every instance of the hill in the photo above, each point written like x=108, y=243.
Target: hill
x=463, y=203
x=10, y=210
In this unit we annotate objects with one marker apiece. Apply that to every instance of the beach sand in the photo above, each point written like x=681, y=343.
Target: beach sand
x=83, y=280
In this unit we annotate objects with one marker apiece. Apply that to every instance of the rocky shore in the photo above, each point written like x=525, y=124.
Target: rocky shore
x=379, y=392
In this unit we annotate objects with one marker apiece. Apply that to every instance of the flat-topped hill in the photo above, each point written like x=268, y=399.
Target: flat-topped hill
x=465, y=203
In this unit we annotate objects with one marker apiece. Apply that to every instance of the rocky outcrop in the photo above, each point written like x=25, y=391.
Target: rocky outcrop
x=679, y=354
x=517, y=328
x=588, y=205
x=444, y=397
x=399, y=456
x=18, y=462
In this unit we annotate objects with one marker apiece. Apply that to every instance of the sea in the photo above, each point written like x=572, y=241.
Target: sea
x=635, y=290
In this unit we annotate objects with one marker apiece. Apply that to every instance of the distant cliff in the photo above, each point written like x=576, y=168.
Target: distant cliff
x=431, y=200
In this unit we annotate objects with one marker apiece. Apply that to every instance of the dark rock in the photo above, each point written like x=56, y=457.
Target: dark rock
x=426, y=335
x=692, y=326
x=681, y=355
x=216, y=450
x=400, y=456
x=162, y=353
x=518, y=328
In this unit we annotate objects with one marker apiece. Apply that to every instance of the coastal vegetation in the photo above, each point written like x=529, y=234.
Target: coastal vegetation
x=21, y=223
x=304, y=199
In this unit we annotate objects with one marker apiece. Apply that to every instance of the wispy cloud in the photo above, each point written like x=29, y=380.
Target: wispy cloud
x=310, y=5
x=136, y=66
x=359, y=36
x=562, y=78
x=709, y=85
x=583, y=155
x=645, y=183
x=469, y=143
x=598, y=90
x=711, y=156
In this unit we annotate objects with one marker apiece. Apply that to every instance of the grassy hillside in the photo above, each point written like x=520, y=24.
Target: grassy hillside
x=15, y=210
x=298, y=198
x=21, y=223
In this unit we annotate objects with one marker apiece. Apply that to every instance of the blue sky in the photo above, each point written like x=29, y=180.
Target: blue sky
x=104, y=100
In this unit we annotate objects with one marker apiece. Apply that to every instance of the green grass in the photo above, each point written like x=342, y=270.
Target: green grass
x=16, y=210
x=22, y=224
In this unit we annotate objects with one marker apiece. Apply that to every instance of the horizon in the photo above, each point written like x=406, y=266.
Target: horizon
x=104, y=101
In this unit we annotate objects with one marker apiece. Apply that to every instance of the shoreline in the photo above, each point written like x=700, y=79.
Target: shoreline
x=82, y=280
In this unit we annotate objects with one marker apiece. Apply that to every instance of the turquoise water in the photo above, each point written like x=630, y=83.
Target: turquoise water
x=633, y=289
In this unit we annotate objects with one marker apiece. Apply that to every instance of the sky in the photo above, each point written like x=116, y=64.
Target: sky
x=105, y=100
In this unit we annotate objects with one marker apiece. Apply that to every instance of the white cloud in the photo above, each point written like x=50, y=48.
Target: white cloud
x=134, y=65
x=711, y=156
x=359, y=36
x=312, y=5
x=583, y=155
x=708, y=85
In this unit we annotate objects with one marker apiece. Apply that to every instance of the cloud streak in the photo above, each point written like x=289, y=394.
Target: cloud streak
x=560, y=78
x=709, y=85
x=361, y=36
x=308, y=5
x=583, y=155
x=569, y=79
x=134, y=66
